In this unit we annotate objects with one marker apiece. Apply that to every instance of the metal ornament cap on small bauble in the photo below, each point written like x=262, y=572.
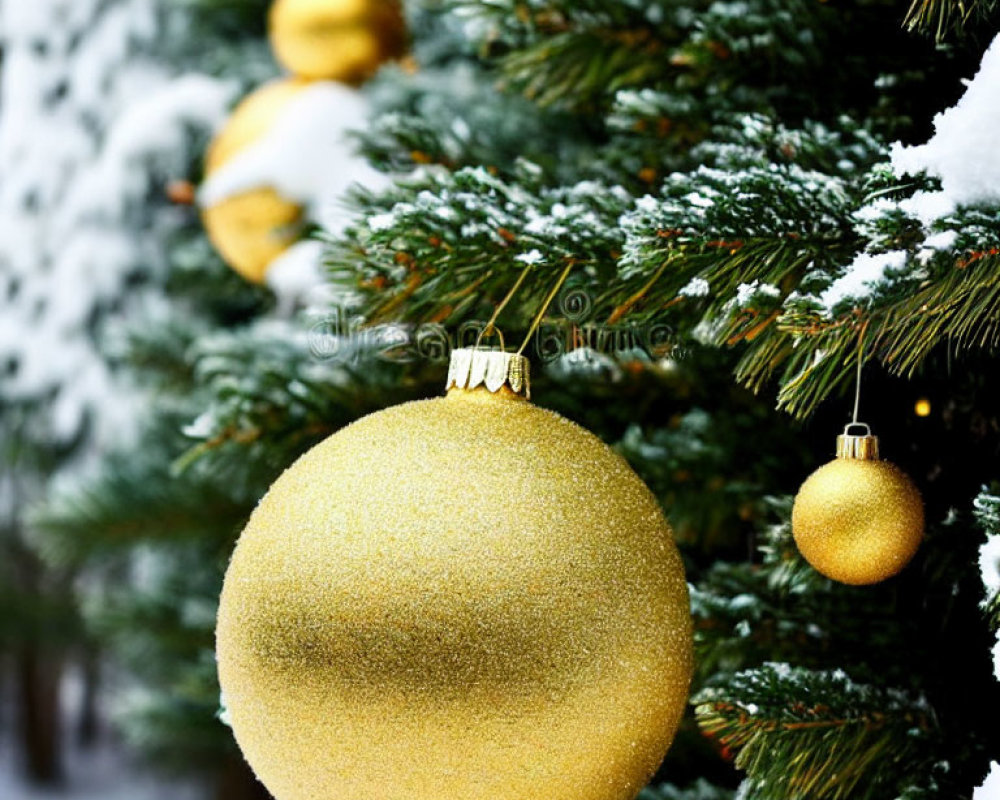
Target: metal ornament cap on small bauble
x=859, y=519
x=457, y=598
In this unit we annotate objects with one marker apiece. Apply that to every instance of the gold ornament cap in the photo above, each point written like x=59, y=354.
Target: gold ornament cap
x=494, y=369
x=857, y=447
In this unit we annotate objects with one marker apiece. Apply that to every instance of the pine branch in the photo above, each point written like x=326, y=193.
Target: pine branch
x=456, y=116
x=137, y=497
x=745, y=252
x=960, y=308
x=944, y=17
x=846, y=740
x=274, y=393
x=782, y=611
x=162, y=628
x=430, y=244
x=584, y=67
x=781, y=608
x=436, y=249
x=577, y=55
x=699, y=790
x=711, y=478
x=957, y=310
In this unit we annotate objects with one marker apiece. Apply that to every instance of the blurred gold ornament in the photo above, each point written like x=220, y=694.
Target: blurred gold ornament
x=858, y=519
x=461, y=597
x=252, y=228
x=922, y=408
x=339, y=40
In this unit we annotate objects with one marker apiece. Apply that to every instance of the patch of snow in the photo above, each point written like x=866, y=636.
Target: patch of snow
x=308, y=156
x=530, y=258
x=928, y=206
x=989, y=564
x=381, y=222
x=105, y=771
x=936, y=243
x=945, y=240
x=699, y=200
x=990, y=789
x=696, y=287
x=875, y=210
x=745, y=292
x=962, y=152
x=862, y=275
x=223, y=715
x=296, y=275
x=743, y=601
x=201, y=427
x=647, y=204
x=989, y=569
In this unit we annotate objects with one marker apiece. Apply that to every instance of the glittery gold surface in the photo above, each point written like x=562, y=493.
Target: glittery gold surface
x=339, y=40
x=466, y=597
x=858, y=521
x=251, y=229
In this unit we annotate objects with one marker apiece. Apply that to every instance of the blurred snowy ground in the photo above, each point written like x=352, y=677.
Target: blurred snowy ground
x=103, y=771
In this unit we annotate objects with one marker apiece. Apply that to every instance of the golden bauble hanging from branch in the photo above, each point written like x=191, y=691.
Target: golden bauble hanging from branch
x=464, y=597
x=338, y=40
x=859, y=519
x=252, y=228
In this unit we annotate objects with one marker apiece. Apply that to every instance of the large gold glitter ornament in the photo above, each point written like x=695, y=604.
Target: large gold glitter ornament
x=252, y=228
x=339, y=40
x=464, y=597
x=858, y=519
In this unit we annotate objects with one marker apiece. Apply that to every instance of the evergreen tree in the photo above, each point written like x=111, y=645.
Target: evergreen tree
x=737, y=209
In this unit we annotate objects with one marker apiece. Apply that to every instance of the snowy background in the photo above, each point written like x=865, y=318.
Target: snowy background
x=93, y=121
x=105, y=105
x=103, y=770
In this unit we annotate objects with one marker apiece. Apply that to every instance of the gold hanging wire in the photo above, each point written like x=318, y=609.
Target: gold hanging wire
x=545, y=307
x=491, y=325
x=857, y=380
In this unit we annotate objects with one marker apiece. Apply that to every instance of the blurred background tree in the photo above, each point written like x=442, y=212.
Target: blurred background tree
x=107, y=107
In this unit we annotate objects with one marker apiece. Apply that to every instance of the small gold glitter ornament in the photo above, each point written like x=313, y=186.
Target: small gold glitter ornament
x=858, y=519
x=464, y=597
x=338, y=40
x=252, y=228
